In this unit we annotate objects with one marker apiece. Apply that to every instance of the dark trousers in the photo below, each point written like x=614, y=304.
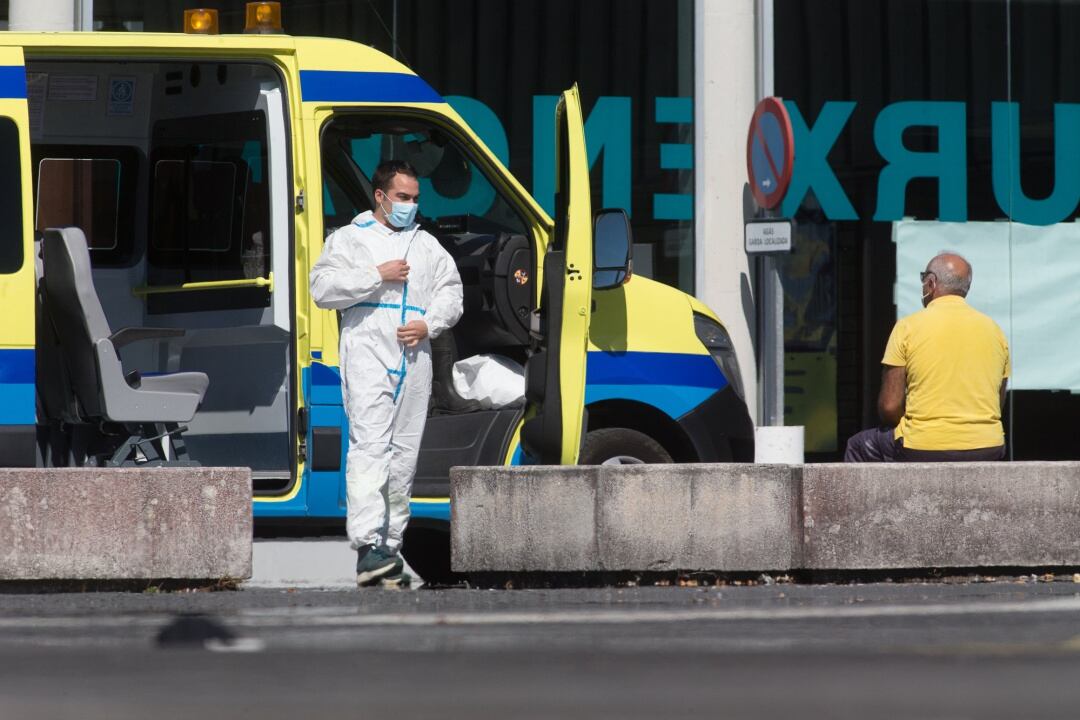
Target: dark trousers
x=873, y=445
x=879, y=445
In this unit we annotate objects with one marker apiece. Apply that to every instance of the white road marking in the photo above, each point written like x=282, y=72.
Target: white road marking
x=349, y=617
x=619, y=617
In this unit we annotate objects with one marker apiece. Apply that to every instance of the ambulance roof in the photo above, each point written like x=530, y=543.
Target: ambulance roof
x=313, y=53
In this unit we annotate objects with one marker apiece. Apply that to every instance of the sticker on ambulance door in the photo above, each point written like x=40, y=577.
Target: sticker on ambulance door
x=73, y=88
x=121, y=95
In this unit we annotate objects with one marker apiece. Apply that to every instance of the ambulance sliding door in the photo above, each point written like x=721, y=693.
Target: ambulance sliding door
x=219, y=259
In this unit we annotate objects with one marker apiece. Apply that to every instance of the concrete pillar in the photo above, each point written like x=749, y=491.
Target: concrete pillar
x=725, y=92
x=50, y=15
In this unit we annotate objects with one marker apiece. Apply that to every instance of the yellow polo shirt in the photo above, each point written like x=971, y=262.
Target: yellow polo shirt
x=956, y=358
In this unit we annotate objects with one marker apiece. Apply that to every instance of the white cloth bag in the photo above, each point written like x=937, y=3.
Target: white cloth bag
x=492, y=380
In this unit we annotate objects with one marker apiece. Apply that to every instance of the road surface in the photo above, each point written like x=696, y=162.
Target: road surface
x=1006, y=649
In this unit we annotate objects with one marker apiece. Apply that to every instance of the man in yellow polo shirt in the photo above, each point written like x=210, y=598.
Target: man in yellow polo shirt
x=943, y=379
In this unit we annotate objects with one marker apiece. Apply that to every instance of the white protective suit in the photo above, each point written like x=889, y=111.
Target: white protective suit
x=385, y=386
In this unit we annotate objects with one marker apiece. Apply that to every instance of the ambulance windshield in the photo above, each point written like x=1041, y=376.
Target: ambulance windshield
x=452, y=186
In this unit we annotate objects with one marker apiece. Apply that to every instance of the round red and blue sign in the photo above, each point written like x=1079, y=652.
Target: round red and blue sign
x=770, y=152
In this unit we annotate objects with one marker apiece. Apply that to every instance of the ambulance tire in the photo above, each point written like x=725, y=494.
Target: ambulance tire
x=621, y=446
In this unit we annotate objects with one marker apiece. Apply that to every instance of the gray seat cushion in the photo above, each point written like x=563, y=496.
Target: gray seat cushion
x=192, y=383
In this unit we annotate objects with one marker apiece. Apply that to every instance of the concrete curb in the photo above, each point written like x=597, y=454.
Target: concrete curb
x=327, y=563
x=731, y=518
x=125, y=523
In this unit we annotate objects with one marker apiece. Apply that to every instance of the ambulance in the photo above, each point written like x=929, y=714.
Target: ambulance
x=164, y=197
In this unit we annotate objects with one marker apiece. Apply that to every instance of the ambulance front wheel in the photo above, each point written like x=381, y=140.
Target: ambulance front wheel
x=621, y=446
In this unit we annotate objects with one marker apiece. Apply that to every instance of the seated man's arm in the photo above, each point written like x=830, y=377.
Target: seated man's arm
x=1002, y=406
x=890, y=404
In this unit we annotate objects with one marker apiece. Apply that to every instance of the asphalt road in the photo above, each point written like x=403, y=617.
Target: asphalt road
x=987, y=650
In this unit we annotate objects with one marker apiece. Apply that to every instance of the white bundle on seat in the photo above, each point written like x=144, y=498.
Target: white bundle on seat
x=494, y=381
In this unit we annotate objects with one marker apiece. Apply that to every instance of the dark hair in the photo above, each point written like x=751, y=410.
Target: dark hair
x=384, y=174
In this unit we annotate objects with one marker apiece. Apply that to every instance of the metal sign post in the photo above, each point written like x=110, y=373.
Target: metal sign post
x=770, y=159
x=766, y=238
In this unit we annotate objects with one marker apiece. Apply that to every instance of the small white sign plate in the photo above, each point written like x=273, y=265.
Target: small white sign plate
x=768, y=236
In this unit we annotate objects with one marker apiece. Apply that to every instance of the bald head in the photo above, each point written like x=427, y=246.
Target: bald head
x=951, y=275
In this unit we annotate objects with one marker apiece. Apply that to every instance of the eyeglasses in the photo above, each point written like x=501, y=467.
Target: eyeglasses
x=925, y=274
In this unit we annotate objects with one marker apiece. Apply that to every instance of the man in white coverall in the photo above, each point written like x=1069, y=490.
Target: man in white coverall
x=396, y=288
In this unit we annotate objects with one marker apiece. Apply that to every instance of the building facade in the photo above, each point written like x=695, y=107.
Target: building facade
x=920, y=125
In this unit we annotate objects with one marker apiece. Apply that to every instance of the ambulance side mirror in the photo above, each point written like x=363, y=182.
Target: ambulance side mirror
x=612, y=249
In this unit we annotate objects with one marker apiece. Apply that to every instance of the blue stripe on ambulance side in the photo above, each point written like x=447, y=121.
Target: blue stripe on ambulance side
x=350, y=86
x=17, y=392
x=433, y=510
x=12, y=81
x=653, y=368
x=675, y=383
x=17, y=404
x=325, y=384
x=673, y=400
x=17, y=366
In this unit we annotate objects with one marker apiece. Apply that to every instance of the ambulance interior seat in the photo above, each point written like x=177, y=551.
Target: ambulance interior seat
x=494, y=267
x=135, y=414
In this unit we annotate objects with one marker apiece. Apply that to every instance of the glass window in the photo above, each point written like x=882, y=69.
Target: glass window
x=894, y=101
x=11, y=235
x=932, y=125
x=208, y=187
x=209, y=204
x=502, y=65
x=92, y=187
x=453, y=189
x=80, y=192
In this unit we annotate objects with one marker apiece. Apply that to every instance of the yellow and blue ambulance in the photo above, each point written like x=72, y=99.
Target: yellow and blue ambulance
x=203, y=173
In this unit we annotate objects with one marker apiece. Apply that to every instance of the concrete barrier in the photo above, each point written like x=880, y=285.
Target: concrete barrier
x=613, y=518
x=125, y=523
x=765, y=517
x=913, y=515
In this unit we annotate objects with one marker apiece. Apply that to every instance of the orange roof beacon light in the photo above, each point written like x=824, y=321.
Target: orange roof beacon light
x=201, y=21
x=263, y=17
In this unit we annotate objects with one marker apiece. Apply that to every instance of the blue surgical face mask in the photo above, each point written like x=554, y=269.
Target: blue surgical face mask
x=401, y=214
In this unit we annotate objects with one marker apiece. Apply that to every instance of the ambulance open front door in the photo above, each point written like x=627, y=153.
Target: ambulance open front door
x=555, y=373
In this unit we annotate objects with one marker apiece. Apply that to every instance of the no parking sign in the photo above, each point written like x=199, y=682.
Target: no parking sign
x=770, y=152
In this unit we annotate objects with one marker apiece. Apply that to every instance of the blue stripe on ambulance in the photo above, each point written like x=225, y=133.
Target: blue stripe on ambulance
x=325, y=495
x=431, y=509
x=12, y=82
x=674, y=383
x=350, y=86
x=320, y=494
x=17, y=395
